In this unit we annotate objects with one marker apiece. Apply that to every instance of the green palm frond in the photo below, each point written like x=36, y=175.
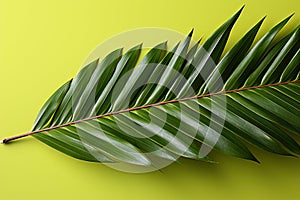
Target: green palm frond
x=179, y=102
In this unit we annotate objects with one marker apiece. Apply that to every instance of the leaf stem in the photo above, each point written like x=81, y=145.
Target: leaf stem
x=7, y=140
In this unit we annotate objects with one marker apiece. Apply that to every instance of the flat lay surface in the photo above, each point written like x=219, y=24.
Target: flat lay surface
x=43, y=44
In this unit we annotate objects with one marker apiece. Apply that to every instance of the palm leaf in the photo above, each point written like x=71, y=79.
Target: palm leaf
x=180, y=103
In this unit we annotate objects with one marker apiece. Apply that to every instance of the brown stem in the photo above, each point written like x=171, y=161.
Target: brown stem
x=6, y=140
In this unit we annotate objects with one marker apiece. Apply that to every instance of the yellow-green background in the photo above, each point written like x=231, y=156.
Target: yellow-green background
x=43, y=44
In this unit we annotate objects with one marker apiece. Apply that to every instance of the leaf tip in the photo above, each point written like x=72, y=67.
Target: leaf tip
x=198, y=42
x=165, y=44
x=140, y=45
x=240, y=11
x=254, y=159
x=258, y=25
x=191, y=33
x=290, y=16
x=119, y=51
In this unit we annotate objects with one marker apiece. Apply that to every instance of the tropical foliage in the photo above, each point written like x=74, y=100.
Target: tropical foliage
x=179, y=102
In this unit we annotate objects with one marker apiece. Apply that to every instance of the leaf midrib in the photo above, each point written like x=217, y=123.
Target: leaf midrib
x=159, y=104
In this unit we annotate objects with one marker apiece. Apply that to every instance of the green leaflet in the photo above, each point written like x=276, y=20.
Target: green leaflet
x=117, y=110
x=50, y=107
x=275, y=70
x=96, y=84
x=127, y=63
x=64, y=111
x=206, y=57
x=155, y=77
x=171, y=71
x=252, y=59
x=227, y=67
x=140, y=75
